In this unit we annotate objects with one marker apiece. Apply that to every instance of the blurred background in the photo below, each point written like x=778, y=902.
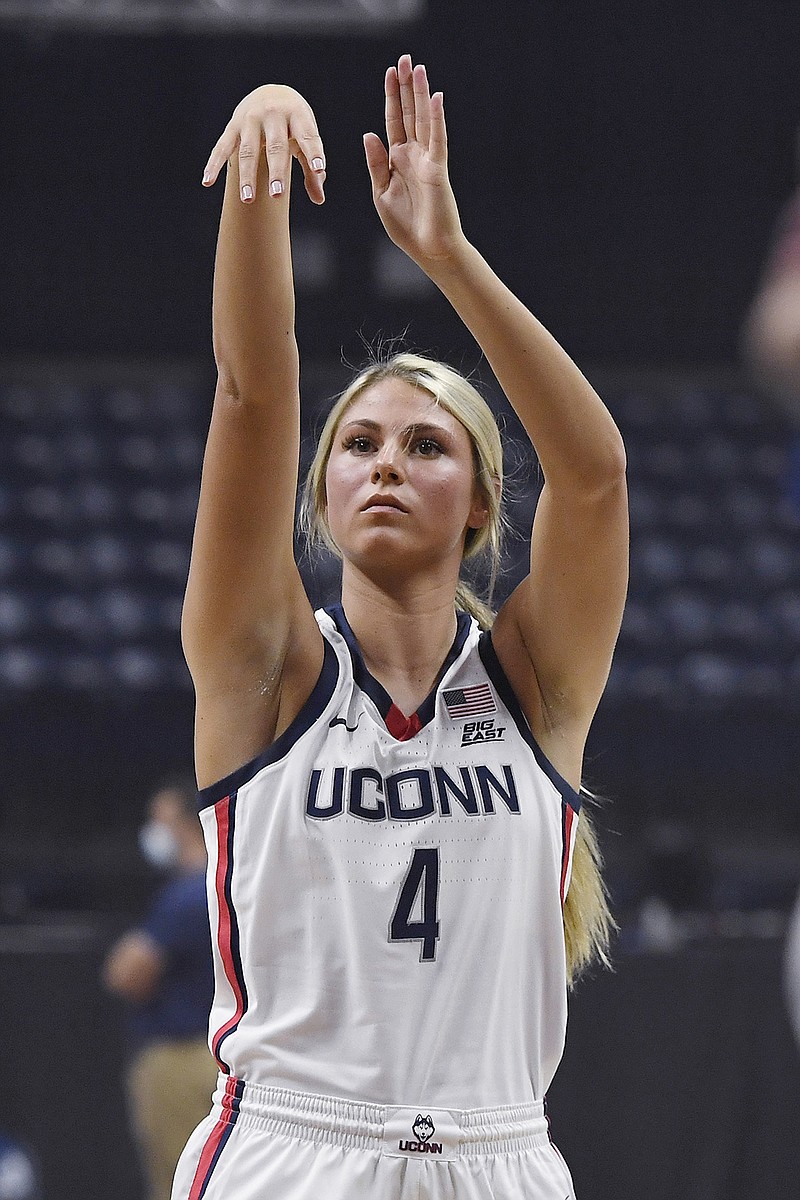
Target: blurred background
x=629, y=170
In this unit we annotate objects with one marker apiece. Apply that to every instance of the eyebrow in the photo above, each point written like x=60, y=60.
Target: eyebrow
x=420, y=427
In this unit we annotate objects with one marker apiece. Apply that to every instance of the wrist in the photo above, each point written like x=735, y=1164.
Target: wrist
x=449, y=263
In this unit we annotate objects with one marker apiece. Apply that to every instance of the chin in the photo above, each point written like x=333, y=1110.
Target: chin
x=385, y=554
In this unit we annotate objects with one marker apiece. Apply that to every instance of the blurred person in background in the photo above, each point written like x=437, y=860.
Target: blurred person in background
x=771, y=348
x=163, y=969
x=771, y=328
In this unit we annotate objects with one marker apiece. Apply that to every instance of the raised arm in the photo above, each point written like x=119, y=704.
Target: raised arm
x=244, y=603
x=556, y=634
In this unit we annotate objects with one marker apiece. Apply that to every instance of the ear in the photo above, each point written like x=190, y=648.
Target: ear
x=479, y=512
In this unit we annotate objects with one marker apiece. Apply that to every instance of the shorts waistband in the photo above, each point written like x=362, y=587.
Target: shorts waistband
x=412, y=1129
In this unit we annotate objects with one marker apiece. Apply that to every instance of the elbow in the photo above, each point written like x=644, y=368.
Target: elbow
x=606, y=469
x=244, y=378
x=191, y=638
x=615, y=460
x=590, y=476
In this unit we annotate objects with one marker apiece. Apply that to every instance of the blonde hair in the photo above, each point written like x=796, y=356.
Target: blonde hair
x=588, y=923
x=587, y=920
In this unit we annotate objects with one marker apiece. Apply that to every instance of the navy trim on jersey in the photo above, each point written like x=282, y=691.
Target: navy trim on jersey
x=229, y=923
x=506, y=693
x=375, y=690
x=310, y=712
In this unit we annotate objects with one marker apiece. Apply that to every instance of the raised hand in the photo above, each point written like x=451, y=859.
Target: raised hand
x=280, y=121
x=410, y=185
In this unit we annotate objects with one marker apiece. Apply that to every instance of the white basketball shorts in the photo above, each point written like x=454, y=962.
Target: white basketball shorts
x=266, y=1143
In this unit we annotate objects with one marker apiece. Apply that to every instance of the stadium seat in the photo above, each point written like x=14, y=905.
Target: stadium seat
x=99, y=493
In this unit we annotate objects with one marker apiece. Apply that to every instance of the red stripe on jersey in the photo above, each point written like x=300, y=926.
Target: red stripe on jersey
x=224, y=924
x=569, y=821
x=218, y=1135
x=400, y=726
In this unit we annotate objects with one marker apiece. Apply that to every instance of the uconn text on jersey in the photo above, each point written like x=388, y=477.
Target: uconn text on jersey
x=408, y=795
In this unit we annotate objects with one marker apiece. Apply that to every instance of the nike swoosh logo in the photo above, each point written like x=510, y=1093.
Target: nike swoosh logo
x=341, y=721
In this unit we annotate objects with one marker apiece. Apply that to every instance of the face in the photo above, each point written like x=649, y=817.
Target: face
x=166, y=809
x=400, y=481
x=160, y=837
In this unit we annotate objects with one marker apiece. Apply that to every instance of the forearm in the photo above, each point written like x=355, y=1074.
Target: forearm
x=574, y=435
x=253, y=304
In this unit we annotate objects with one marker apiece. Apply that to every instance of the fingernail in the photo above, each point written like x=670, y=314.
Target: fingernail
x=275, y=188
x=206, y=176
x=247, y=192
x=317, y=164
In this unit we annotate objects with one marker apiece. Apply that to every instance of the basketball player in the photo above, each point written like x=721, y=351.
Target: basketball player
x=390, y=792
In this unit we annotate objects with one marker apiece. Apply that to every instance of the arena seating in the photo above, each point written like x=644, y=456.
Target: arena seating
x=99, y=485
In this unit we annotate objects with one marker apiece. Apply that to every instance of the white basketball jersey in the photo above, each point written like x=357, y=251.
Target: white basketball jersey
x=386, y=893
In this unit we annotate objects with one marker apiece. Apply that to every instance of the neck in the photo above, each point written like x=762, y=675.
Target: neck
x=404, y=635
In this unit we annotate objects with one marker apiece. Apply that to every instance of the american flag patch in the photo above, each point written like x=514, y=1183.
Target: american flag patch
x=469, y=701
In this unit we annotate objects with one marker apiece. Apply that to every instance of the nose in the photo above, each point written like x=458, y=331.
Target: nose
x=386, y=469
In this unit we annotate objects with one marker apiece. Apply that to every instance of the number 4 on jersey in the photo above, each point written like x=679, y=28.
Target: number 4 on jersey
x=422, y=879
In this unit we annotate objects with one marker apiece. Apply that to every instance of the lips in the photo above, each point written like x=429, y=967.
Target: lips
x=384, y=501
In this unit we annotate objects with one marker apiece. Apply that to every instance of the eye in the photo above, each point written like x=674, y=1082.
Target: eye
x=428, y=447
x=358, y=443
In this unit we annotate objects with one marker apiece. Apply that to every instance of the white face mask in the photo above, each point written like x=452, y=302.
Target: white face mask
x=158, y=845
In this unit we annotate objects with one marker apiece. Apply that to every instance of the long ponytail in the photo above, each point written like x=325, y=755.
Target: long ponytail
x=588, y=922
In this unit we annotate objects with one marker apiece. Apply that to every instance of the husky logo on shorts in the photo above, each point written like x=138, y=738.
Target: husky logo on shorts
x=423, y=1127
x=411, y=1132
